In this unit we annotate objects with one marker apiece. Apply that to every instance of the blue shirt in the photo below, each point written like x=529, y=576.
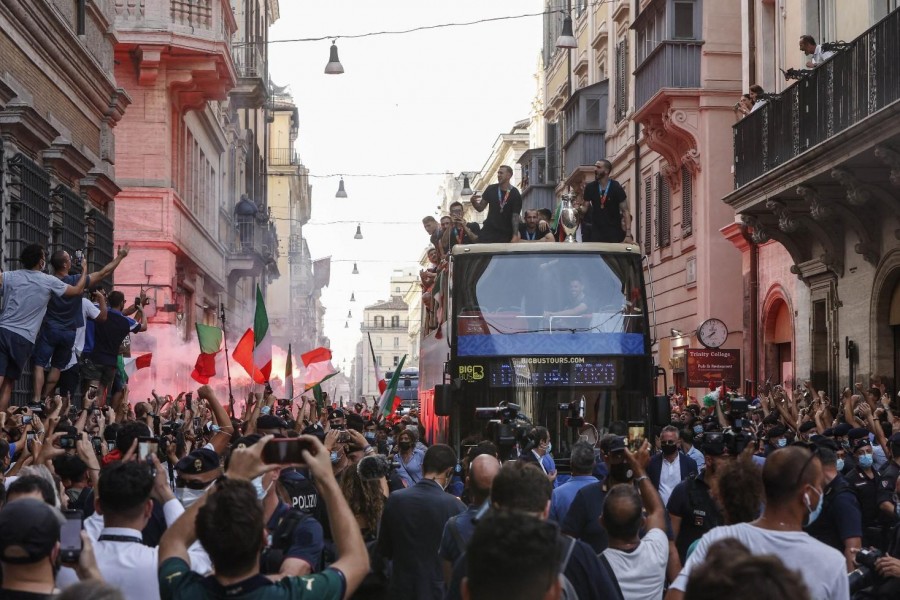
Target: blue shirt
x=697, y=456
x=109, y=335
x=65, y=313
x=562, y=496
x=457, y=533
x=307, y=540
x=411, y=472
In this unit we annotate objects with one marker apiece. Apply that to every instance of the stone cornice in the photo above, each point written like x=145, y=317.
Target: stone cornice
x=65, y=161
x=29, y=129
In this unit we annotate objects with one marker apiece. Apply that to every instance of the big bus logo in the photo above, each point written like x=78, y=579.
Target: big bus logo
x=471, y=372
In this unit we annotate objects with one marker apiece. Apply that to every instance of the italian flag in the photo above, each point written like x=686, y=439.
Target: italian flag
x=129, y=366
x=389, y=400
x=318, y=367
x=254, y=351
x=210, y=339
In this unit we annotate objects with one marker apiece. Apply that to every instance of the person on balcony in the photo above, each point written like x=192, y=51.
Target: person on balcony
x=814, y=52
x=757, y=94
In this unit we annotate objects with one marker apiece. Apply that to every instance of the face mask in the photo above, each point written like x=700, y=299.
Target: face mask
x=840, y=464
x=865, y=461
x=782, y=442
x=405, y=445
x=370, y=436
x=389, y=441
x=335, y=457
x=265, y=410
x=620, y=472
x=261, y=492
x=188, y=496
x=669, y=449
x=813, y=513
x=698, y=429
x=549, y=447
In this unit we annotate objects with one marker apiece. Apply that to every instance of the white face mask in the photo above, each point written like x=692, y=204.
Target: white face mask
x=261, y=492
x=188, y=496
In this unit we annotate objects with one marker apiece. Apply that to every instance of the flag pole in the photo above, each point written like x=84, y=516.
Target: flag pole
x=375, y=367
x=227, y=364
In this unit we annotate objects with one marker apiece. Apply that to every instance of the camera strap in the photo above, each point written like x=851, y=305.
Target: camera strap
x=612, y=575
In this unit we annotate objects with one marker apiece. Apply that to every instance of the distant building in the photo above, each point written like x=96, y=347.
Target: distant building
x=386, y=323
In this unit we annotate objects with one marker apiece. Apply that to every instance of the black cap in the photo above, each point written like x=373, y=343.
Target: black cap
x=842, y=429
x=860, y=443
x=316, y=430
x=806, y=426
x=270, y=422
x=336, y=413
x=199, y=461
x=29, y=529
x=617, y=444
x=828, y=432
x=776, y=431
x=858, y=433
x=246, y=441
x=712, y=443
x=825, y=442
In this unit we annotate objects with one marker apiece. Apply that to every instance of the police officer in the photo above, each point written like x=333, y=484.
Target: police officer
x=844, y=451
x=692, y=509
x=865, y=482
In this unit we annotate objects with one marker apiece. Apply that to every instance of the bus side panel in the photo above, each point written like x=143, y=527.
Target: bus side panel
x=436, y=428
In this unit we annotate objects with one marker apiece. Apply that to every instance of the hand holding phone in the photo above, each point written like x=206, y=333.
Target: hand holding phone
x=286, y=451
x=147, y=447
x=70, y=543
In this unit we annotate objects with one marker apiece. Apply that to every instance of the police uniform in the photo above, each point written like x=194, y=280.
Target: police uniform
x=699, y=513
x=866, y=490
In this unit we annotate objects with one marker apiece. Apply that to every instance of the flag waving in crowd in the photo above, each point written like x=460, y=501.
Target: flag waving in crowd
x=254, y=351
x=389, y=401
x=210, y=339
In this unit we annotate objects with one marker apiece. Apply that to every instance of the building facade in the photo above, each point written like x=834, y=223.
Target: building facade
x=193, y=203
x=60, y=103
x=386, y=324
x=651, y=87
x=817, y=190
x=293, y=301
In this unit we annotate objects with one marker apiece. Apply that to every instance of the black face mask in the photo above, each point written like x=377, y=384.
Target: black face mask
x=620, y=472
x=669, y=449
x=405, y=445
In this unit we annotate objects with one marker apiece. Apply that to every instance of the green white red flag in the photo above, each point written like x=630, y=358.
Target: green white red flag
x=388, y=401
x=210, y=339
x=254, y=351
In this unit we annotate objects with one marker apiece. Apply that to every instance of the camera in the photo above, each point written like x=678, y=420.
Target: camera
x=284, y=402
x=505, y=412
x=864, y=575
x=169, y=428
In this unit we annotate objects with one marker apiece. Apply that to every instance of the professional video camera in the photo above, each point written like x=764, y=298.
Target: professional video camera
x=865, y=575
x=575, y=420
x=506, y=426
x=738, y=436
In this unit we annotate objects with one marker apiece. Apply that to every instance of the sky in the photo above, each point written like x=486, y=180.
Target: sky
x=426, y=102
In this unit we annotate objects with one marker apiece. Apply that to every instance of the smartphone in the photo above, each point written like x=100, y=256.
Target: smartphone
x=147, y=447
x=282, y=451
x=196, y=423
x=70, y=536
x=96, y=443
x=29, y=436
x=636, y=435
x=27, y=419
x=67, y=442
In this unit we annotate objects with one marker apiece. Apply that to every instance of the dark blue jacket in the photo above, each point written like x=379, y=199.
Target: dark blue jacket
x=654, y=469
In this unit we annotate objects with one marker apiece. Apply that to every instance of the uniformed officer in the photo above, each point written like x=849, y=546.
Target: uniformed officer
x=692, y=509
x=865, y=481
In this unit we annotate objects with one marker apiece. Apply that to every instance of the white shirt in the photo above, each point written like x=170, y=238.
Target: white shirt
x=669, y=477
x=642, y=573
x=132, y=566
x=89, y=310
x=824, y=569
x=757, y=104
x=820, y=56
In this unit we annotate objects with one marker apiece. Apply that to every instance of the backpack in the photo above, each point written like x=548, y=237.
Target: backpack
x=568, y=590
x=273, y=555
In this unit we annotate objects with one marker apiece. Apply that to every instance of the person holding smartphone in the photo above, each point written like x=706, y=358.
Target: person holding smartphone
x=31, y=549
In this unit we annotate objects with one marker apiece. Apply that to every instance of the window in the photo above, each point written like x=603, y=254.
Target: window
x=397, y=289
x=395, y=321
x=396, y=360
x=379, y=321
x=621, y=79
x=553, y=152
x=648, y=215
x=663, y=212
x=683, y=22
x=396, y=342
x=378, y=342
x=687, y=202
x=378, y=360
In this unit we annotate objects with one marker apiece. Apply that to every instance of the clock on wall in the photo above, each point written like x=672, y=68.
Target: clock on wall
x=712, y=333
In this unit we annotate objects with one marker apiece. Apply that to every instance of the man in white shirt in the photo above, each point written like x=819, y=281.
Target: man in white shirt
x=638, y=564
x=794, y=491
x=670, y=467
x=815, y=53
x=124, y=507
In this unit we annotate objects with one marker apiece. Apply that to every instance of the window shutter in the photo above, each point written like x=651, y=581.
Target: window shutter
x=648, y=215
x=663, y=212
x=687, y=202
x=621, y=79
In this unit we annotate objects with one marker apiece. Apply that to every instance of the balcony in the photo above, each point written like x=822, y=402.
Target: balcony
x=191, y=39
x=827, y=102
x=283, y=157
x=253, y=247
x=252, y=72
x=536, y=192
x=585, y=127
x=395, y=325
x=672, y=64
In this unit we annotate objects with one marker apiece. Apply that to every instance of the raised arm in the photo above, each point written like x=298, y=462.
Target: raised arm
x=222, y=437
x=478, y=202
x=107, y=269
x=78, y=288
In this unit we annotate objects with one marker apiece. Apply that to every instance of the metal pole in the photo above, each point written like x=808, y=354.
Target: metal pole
x=227, y=365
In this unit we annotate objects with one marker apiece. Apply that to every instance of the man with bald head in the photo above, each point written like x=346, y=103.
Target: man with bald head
x=459, y=529
x=793, y=482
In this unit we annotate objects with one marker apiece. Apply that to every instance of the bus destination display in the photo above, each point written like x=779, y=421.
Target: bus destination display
x=539, y=371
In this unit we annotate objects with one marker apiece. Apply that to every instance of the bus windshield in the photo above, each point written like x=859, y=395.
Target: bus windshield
x=547, y=304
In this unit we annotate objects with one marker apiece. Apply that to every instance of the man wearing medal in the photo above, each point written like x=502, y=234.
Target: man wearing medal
x=505, y=202
x=605, y=207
